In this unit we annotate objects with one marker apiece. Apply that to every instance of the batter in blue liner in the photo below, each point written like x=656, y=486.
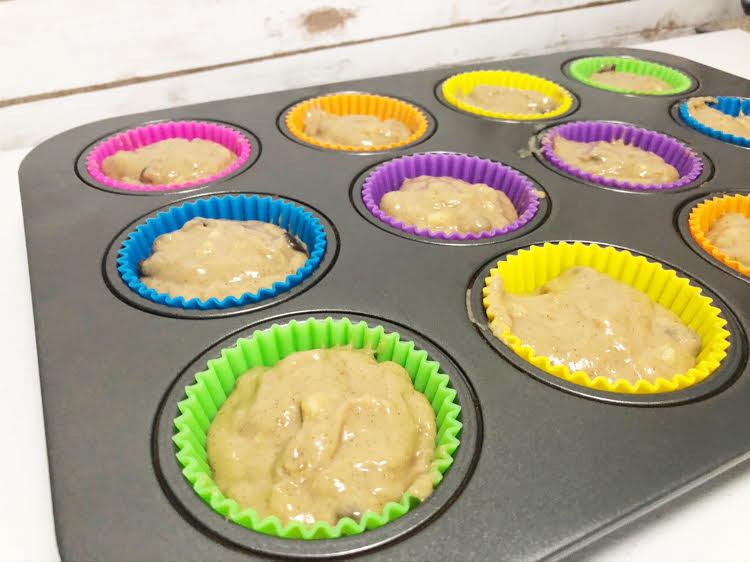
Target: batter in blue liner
x=302, y=228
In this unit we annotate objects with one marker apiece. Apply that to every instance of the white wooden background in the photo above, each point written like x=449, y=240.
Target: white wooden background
x=75, y=61
x=71, y=60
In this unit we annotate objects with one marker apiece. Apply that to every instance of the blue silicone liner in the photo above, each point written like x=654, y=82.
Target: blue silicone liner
x=288, y=216
x=729, y=105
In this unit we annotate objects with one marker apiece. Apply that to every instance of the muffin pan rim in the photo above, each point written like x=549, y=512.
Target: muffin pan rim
x=706, y=174
x=432, y=124
x=198, y=513
x=723, y=377
x=695, y=83
x=123, y=292
x=81, y=167
x=540, y=216
x=681, y=217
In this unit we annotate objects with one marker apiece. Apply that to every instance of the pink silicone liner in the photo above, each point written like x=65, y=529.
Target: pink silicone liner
x=687, y=163
x=149, y=134
x=390, y=175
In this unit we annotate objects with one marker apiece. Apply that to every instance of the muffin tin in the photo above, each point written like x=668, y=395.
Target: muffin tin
x=543, y=467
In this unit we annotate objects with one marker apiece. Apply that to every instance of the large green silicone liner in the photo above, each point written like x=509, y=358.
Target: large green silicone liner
x=265, y=348
x=582, y=69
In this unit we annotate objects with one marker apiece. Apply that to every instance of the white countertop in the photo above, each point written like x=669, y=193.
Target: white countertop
x=706, y=525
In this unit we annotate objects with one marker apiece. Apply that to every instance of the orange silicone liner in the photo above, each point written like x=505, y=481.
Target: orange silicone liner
x=381, y=107
x=704, y=215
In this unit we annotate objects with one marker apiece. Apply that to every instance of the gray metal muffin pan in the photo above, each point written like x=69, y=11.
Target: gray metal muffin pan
x=542, y=471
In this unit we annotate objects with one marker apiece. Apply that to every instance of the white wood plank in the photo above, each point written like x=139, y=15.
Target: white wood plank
x=75, y=43
x=28, y=124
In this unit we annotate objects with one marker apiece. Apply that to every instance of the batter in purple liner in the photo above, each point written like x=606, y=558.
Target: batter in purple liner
x=449, y=205
x=615, y=160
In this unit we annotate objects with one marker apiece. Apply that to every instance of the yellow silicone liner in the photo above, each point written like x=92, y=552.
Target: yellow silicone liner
x=529, y=269
x=381, y=107
x=703, y=216
x=463, y=84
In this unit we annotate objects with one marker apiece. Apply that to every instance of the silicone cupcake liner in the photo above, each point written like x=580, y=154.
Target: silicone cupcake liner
x=703, y=216
x=212, y=386
x=381, y=107
x=149, y=134
x=731, y=106
x=390, y=175
x=462, y=84
x=288, y=216
x=529, y=269
x=673, y=152
x=582, y=69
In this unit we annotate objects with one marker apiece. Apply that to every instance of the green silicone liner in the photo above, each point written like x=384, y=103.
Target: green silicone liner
x=265, y=348
x=582, y=69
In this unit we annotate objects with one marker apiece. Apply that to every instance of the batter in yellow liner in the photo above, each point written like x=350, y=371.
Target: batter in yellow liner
x=530, y=270
x=589, y=322
x=503, y=99
x=549, y=99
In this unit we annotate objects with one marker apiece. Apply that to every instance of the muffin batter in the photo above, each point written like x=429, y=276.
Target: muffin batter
x=168, y=162
x=699, y=110
x=502, y=99
x=323, y=434
x=730, y=233
x=608, y=76
x=221, y=258
x=449, y=205
x=354, y=130
x=589, y=322
x=615, y=160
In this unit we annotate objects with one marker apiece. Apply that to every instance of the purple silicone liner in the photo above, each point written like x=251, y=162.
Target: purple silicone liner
x=390, y=175
x=149, y=134
x=687, y=163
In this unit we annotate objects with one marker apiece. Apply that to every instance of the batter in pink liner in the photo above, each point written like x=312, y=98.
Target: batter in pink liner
x=168, y=162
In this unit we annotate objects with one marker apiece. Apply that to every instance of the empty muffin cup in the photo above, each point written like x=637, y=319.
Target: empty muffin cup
x=288, y=216
x=462, y=84
x=583, y=70
x=471, y=169
x=340, y=104
x=732, y=106
x=687, y=163
x=212, y=386
x=139, y=137
x=706, y=213
x=527, y=270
